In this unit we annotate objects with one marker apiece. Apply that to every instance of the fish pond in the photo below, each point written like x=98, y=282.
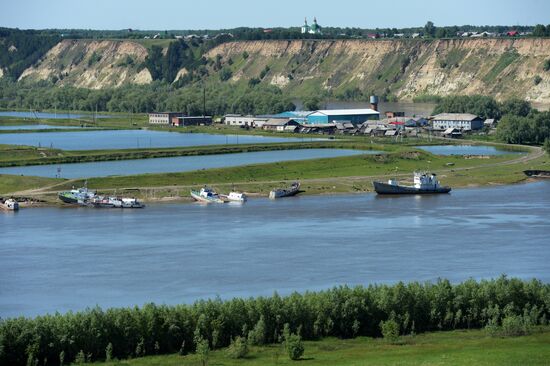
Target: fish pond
x=466, y=150
x=47, y=115
x=132, y=139
x=175, y=164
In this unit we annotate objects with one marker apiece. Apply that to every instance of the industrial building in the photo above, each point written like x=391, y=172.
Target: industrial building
x=461, y=121
x=164, y=118
x=355, y=116
x=191, y=121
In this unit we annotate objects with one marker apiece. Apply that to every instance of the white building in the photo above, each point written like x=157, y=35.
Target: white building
x=461, y=121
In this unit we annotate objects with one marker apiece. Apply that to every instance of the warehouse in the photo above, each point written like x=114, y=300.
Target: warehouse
x=192, y=121
x=355, y=116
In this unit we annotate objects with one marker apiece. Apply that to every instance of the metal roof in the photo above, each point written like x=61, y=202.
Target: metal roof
x=454, y=117
x=344, y=112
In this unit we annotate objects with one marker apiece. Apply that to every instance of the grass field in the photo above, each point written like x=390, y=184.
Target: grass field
x=473, y=347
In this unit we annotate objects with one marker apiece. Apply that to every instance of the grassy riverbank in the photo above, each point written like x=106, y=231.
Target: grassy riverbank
x=471, y=347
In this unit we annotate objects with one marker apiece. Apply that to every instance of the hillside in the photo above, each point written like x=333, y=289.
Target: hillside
x=402, y=68
x=91, y=64
x=345, y=69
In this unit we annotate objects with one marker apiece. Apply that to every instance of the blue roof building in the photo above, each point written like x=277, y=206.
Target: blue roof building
x=355, y=116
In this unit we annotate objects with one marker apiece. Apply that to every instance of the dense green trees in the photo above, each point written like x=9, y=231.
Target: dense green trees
x=533, y=129
x=340, y=312
x=483, y=106
x=21, y=49
x=158, y=96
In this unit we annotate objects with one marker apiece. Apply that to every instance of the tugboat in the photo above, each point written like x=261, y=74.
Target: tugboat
x=424, y=183
x=9, y=205
x=207, y=195
x=285, y=192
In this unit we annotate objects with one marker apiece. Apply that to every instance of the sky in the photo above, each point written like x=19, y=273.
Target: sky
x=218, y=14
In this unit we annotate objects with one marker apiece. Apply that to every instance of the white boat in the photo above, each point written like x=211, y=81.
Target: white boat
x=207, y=195
x=9, y=205
x=235, y=197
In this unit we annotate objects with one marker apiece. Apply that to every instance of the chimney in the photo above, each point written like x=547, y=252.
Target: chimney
x=374, y=102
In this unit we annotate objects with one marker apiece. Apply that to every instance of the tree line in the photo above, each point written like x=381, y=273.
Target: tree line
x=343, y=312
x=158, y=96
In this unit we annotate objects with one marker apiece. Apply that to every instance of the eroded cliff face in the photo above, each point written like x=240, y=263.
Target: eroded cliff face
x=92, y=64
x=404, y=68
x=502, y=68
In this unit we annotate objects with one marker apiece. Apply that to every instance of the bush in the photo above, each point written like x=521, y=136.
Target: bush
x=546, y=65
x=109, y=352
x=537, y=79
x=225, y=74
x=294, y=346
x=238, y=348
x=514, y=326
x=256, y=336
x=203, y=350
x=390, y=330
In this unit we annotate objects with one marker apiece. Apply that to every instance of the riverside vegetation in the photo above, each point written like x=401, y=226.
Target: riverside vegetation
x=505, y=306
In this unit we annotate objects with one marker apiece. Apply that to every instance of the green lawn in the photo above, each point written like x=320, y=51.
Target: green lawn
x=472, y=347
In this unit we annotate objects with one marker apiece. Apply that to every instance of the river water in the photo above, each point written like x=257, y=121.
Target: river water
x=132, y=139
x=175, y=164
x=60, y=259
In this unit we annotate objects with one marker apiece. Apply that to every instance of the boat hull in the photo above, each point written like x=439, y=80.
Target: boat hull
x=196, y=195
x=68, y=199
x=280, y=193
x=384, y=188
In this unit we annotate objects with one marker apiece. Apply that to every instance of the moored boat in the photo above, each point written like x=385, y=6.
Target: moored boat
x=235, y=197
x=76, y=196
x=537, y=173
x=424, y=183
x=9, y=205
x=285, y=192
x=207, y=195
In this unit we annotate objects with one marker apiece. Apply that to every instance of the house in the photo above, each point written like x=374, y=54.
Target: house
x=461, y=121
x=244, y=121
x=164, y=118
x=279, y=124
x=490, y=122
x=512, y=33
x=354, y=116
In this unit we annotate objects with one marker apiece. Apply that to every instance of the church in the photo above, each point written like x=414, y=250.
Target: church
x=313, y=29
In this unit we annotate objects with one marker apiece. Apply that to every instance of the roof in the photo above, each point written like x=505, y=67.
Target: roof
x=277, y=122
x=390, y=133
x=450, y=130
x=454, y=117
x=344, y=112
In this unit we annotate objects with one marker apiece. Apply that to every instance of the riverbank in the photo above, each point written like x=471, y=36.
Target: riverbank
x=353, y=174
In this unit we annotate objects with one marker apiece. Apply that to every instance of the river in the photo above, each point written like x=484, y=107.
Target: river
x=60, y=259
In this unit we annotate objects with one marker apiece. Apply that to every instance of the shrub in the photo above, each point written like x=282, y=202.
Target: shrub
x=546, y=65
x=390, y=330
x=80, y=358
x=256, y=336
x=294, y=346
x=238, y=348
x=537, y=80
x=203, y=350
x=514, y=326
x=245, y=55
x=225, y=74
x=109, y=352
